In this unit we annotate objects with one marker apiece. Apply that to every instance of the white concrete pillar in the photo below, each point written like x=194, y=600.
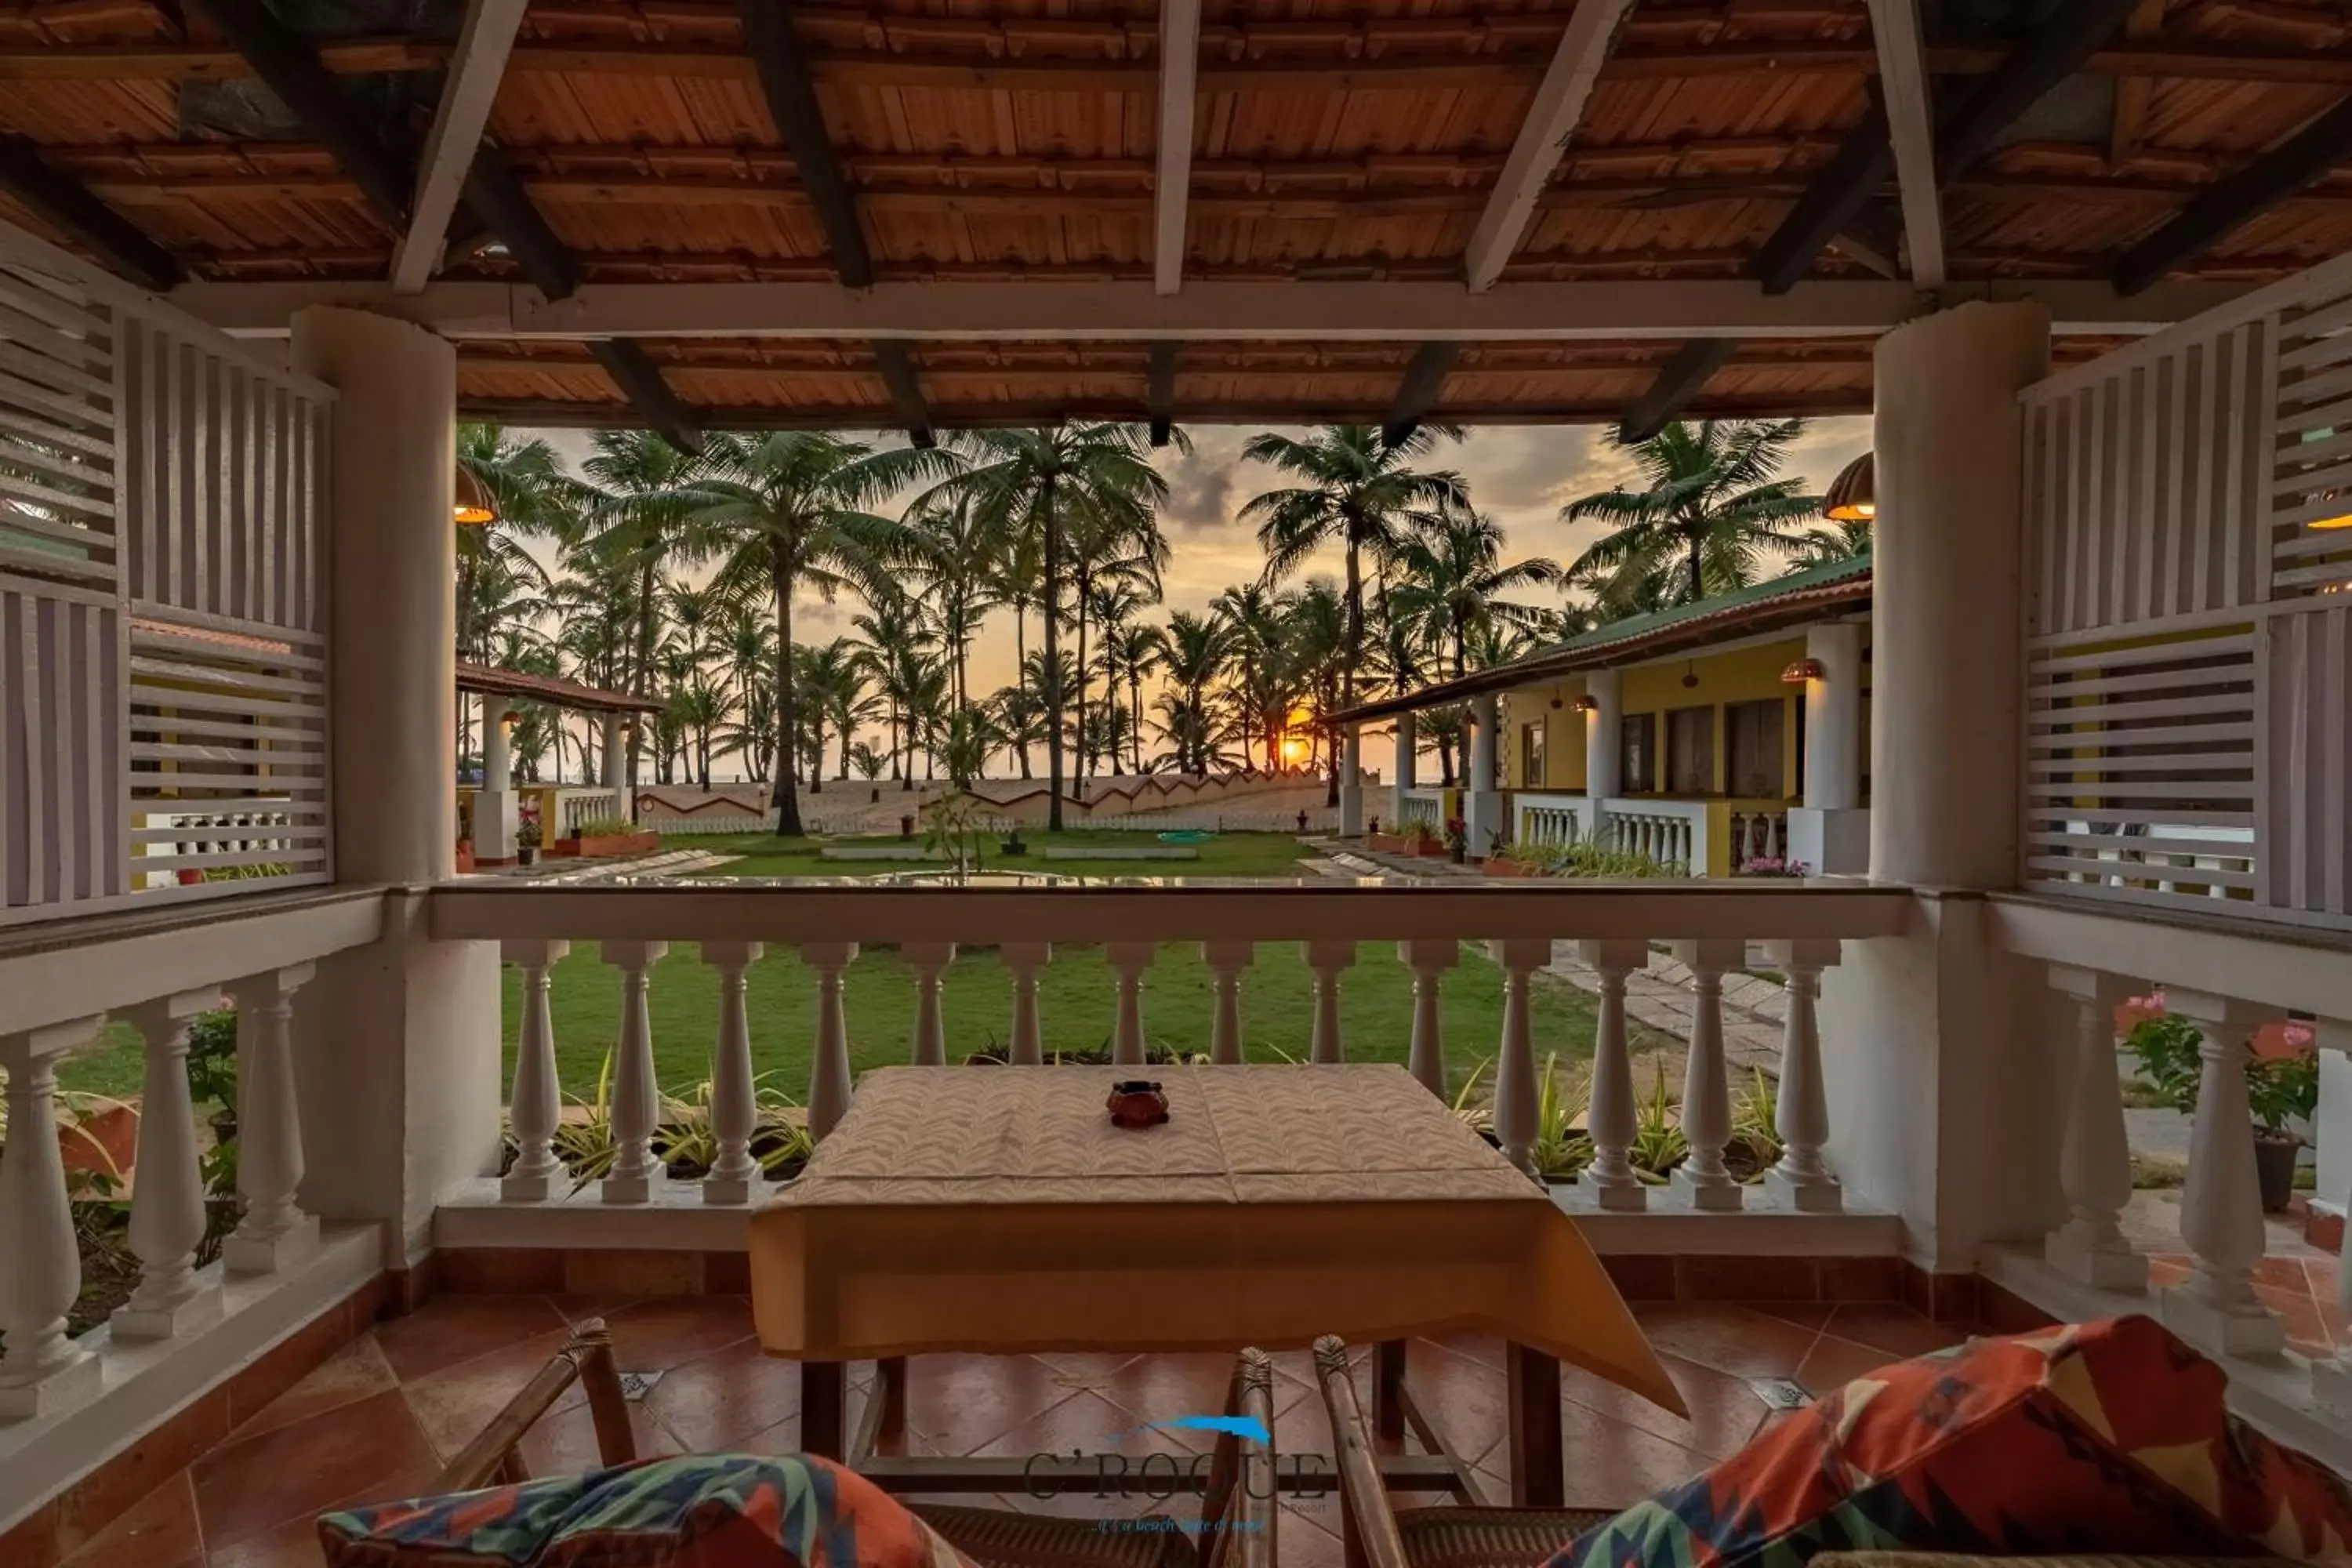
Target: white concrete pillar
x=1946, y=651
x=43, y=1370
x=1482, y=803
x=396, y=1049
x=1834, y=717
x=1227, y=959
x=614, y=759
x=497, y=806
x=1949, y=1054
x=1407, y=743
x=1603, y=722
x=1351, y=783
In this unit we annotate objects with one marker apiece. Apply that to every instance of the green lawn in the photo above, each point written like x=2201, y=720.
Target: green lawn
x=1227, y=855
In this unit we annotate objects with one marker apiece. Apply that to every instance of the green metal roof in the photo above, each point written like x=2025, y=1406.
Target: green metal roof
x=1755, y=593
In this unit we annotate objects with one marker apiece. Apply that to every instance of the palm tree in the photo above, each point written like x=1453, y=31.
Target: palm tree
x=951, y=556
x=1834, y=542
x=1451, y=579
x=1711, y=515
x=1254, y=622
x=895, y=642
x=1130, y=652
x=1115, y=567
x=640, y=524
x=534, y=500
x=1094, y=476
x=1194, y=650
x=1316, y=636
x=788, y=508
x=1355, y=490
x=1020, y=711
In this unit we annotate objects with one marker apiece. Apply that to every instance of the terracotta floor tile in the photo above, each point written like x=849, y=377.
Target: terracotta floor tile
x=2322, y=1273
x=1833, y=1363
x=713, y=1402
x=2299, y=1316
x=1737, y=1340
x=1162, y=1388
x=1466, y=1400
x=294, y=1544
x=1299, y=1542
x=1609, y=1464
x=2281, y=1273
x=1898, y=1330
x=1488, y=1350
x=1814, y=1315
x=2163, y=1271
x=959, y=1404
x=1080, y=1366
x=1725, y=1411
x=452, y=1405
x=158, y=1531
x=654, y=1335
x=580, y=1309
x=372, y=1447
x=1092, y=1424
x=352, y=1373
x=448, y=1329
x=564, y=1444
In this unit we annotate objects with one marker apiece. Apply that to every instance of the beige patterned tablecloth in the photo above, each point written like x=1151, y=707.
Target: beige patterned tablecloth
x=998, y=1210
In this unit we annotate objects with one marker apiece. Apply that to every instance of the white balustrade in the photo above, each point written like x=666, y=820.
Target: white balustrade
x=734, y=1103
x=1225, y=961
x=167, y=1202
x=1552, y=819
x=537, y=1103
x=2215, y=1308
x=2095, y=1165
x=1129, y=960
x=1024, y=959
x=828, y=1100
x=1802, y=1180
x=42, y=1371
x=636, y=1096
x=275, y=1231
x=1429, y=960
x=1702, y=1180
x=1326, y=961
x=928, y=960
x=1517, y=1092
x=1610, y=1121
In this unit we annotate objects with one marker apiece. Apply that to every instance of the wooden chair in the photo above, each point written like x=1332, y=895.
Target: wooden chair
x=1237, y=1509
x=1450, y=1536
x=586, y=1358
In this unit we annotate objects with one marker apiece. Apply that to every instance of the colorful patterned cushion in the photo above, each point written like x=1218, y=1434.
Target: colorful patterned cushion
x=702, y=1510
x=2109, y=1437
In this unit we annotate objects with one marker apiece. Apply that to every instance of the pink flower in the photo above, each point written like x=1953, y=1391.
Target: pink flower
x=2134, y=1011
x=2282, y=1040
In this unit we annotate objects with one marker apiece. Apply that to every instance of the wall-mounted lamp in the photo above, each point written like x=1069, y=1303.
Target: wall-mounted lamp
x=1588, y=703
x=1802, y=670
x=1854, y=495
x=1555, y=702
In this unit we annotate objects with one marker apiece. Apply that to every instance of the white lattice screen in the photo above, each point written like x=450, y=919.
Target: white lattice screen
x=162, y=657
x=2190, y=684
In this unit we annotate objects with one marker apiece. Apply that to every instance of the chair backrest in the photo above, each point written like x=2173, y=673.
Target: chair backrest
x=1238, y=1510
x=1369, y=1524
x=586, y=1359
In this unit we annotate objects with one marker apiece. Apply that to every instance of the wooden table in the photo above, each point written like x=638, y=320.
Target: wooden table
x=996, y=1210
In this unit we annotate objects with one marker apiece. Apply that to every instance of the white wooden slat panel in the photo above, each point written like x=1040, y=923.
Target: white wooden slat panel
x=59, y=755
x=2308, y=804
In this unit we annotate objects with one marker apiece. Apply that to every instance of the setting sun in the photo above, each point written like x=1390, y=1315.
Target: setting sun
x=1294, y=748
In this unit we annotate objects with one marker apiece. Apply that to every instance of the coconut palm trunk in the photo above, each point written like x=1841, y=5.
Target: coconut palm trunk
x=787, y=795
x=1052, y=663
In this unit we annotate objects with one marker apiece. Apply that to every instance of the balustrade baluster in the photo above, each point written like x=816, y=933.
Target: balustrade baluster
x=734, y=1103
x=167, y=1202
x=928, y=960
x=1611, y=1119
x=1129, y=960
x=1802, y=1180
x=1429, y=960
x=2095, y=1165
x=1738, y=839
x=1326, y=961
x=1024, y=959
x=536, y=1105
x=1227, y=959
x=1702, y=1180
x=828, y=1100
x=1516, y=1094
x=43, y=1371
x=637, y=1097
x=2215, y=1309
x=275, y=1231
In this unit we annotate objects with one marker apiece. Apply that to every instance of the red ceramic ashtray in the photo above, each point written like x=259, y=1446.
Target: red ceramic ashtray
x=1137, y=1103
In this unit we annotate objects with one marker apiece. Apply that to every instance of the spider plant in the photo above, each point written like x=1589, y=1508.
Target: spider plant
x=1477, y=1117
x=587, y=1146
x=1753, y=1112
x=1561, y=1151
x=1659, y=1144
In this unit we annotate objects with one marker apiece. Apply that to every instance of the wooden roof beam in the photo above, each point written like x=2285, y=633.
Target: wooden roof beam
x=1909, y=103
x=784, y=79
x=906, y=391
x=1417, y=394
x=2270, y=179
x=459, y=121
x=1543, y=135
x=1179, y=67
x=1680, y=381
x=289, y=67
x=70, y=205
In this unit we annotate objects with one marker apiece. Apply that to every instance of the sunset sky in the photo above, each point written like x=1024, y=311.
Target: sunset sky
x=1521, y=474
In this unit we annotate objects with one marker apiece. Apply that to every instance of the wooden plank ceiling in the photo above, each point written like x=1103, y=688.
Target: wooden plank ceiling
x=1331, y=140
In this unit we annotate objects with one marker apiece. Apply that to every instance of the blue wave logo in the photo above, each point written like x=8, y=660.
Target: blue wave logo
x=1248, y=1426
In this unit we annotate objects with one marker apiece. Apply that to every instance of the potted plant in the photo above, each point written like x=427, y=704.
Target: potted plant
x=527, y=842
x=1457, y=841
x=1420, y=838
x=2282, y=1082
